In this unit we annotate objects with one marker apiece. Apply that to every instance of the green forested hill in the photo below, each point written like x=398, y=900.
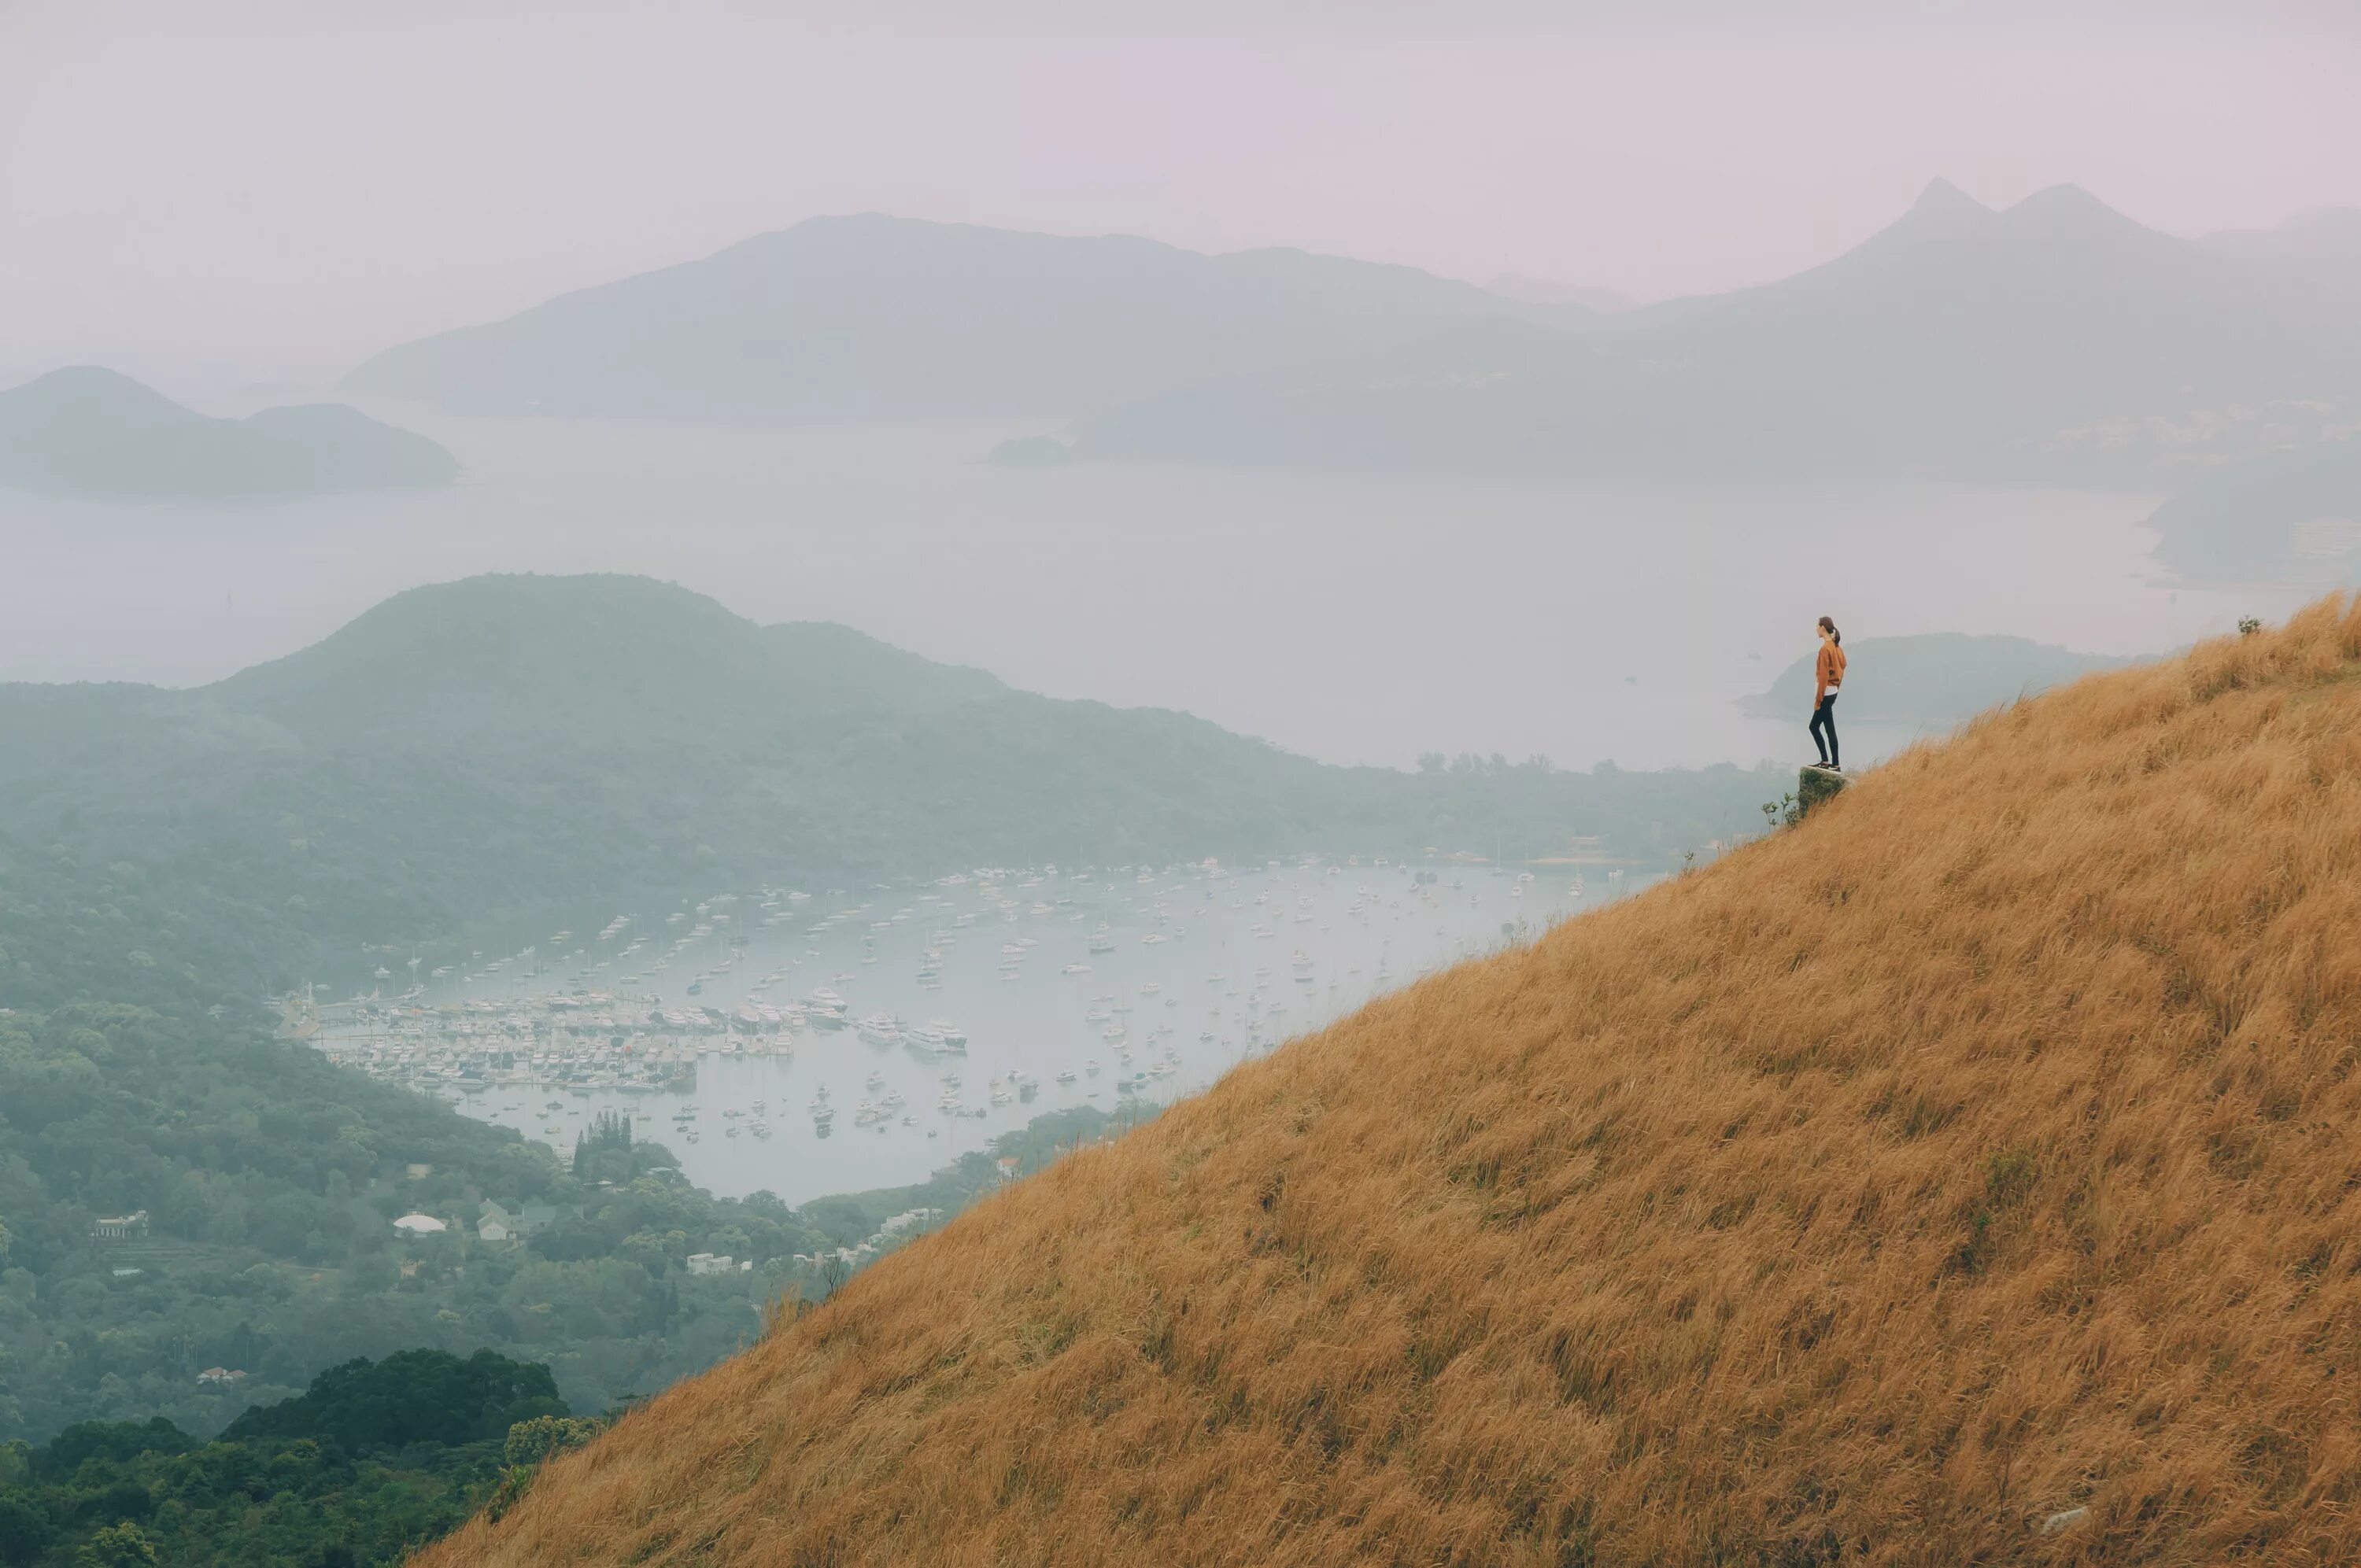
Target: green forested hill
x=371, y=1460
x=137, y=1074
x=468, y=748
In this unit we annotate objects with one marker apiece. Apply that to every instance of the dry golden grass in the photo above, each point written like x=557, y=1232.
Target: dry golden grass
x=1988, y=1146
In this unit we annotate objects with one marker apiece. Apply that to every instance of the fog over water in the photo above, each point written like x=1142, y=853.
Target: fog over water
x=1354, y=618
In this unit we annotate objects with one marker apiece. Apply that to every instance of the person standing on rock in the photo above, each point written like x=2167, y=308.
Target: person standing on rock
x=1828, y=673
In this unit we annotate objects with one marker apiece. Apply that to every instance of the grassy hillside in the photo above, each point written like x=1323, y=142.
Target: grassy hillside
x=1981, y=1150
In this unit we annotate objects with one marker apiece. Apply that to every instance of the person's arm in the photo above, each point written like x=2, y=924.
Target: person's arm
x=1820, y=675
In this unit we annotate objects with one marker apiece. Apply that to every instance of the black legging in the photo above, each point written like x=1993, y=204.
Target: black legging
x=1824, y=729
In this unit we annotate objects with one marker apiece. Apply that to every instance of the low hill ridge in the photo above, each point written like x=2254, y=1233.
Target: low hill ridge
x=1971, y=1173
x=475, y=746
x=89, y=430
x=1957, y=342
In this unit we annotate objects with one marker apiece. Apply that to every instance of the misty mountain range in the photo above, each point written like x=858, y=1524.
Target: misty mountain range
x=2054, y=340
x=874, y=317
x=83, y=430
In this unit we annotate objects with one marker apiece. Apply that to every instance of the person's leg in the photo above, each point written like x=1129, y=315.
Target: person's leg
x=1830, y=708
x=1820, y=741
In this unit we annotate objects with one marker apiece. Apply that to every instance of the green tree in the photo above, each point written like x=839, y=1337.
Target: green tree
x=544, y=1437
x=124, y=1545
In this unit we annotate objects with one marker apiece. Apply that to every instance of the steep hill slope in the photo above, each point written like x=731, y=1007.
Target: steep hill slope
x=89, y=430
x=1986, y=1148
x=876, y=317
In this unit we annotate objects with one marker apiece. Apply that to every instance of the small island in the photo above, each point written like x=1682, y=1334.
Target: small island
x=1032, y=452
x=92, y=432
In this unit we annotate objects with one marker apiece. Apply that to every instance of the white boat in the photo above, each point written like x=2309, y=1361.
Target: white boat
x=939, y=1035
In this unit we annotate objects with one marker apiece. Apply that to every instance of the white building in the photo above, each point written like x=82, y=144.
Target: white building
x=705, y=1263
x=420, y=1225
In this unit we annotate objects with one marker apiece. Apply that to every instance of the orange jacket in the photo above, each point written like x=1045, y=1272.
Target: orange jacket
x=1829, y=671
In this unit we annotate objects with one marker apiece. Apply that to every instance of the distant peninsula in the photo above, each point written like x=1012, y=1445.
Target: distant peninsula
x=2292, y=515
x=87, y=431
x=1935, y=680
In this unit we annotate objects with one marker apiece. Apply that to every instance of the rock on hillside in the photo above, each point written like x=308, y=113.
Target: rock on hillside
x=1981, y=1150
x=87, y=431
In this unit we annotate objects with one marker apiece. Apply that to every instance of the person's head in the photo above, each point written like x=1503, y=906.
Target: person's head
x=1828, y=629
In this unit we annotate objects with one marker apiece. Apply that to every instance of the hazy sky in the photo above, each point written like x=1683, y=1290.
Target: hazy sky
x=218, y=192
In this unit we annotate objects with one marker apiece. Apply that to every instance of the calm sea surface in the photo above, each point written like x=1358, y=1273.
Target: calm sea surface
x=1354, y=618
x=1198, y=969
